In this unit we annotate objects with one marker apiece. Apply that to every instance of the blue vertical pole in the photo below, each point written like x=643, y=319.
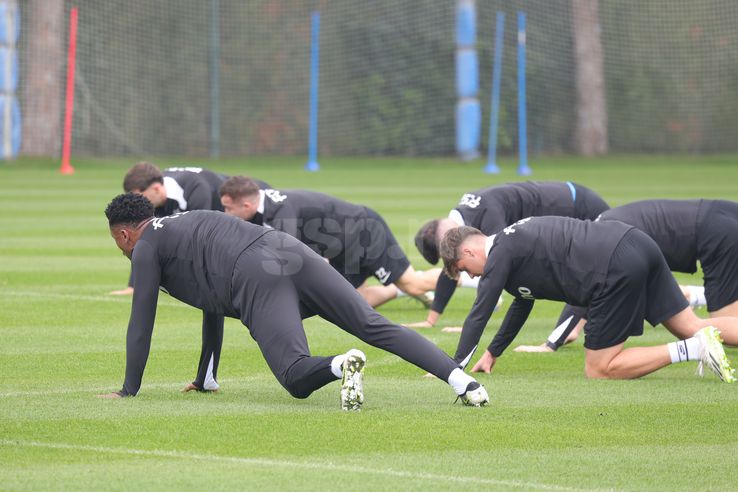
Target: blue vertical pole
x=214, y=69
x=10, y=116
x=523, y=168
x=312, y=163
x=492, y=167
x=468, y=110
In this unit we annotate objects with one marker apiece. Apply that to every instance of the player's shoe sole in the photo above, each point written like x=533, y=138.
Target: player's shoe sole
x=352, y=387
x=475, y=395
x=713, y=355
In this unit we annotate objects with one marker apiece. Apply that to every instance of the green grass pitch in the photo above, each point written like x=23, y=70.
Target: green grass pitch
x=63, y=342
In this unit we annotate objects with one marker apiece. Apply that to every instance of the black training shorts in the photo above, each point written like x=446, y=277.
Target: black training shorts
x=638, y=286
x=371, y=249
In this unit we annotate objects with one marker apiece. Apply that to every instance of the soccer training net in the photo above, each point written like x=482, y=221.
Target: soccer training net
x=153, y=75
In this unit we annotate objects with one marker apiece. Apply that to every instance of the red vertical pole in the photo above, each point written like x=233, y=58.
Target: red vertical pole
x=66, y=166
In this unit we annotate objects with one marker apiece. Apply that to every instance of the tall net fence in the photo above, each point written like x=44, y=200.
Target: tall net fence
x=152, y=75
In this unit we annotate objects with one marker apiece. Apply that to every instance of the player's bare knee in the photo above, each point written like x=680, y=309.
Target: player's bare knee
x=601, y=369
x=593, y=372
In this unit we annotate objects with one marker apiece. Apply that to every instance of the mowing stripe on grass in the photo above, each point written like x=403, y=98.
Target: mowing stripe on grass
x=78, y=297
x=282, y=464
x=232, y=382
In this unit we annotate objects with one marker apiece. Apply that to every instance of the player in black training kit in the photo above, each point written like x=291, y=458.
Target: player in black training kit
x=354, y=239
x=686, y=231
x=490, y=210
x=268, y=280
x=180, y=189
x=613, y=269
x=176, y=189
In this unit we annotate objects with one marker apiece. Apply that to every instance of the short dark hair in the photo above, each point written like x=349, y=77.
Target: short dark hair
x=450, y=244
x=129, y=209
x=141, y=176
x=426, y=242
x=239, y=186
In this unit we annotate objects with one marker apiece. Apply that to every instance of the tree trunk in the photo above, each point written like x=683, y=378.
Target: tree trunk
x=43, y=61
x=591, y=129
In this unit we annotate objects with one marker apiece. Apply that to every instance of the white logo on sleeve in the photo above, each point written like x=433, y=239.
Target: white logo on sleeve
x=469, y=200
x=196, y=170
x=382, y=274
x=275, y=196
x=525, y=293
x=158, y=223
x=511, y=228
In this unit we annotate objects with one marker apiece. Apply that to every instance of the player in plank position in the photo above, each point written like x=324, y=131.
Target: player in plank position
x=267, y=279
x=614, y=270
x=176, y=189
x=686, y=231
x=354, y=239
x=490, y=210
x=180, y=189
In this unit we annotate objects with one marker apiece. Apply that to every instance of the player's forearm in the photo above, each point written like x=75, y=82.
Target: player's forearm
x=212, y=342
x=514, y=320
x=469, y=339
x=445, y=288
x=141, y=323
x=487, y=294
x=135, y=365
x=138, y=341
x=467, y=347
x=568, y=320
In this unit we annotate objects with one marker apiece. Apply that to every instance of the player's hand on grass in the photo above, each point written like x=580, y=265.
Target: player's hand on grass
x=485, y=364
x=451, y=329
x=429, y=322
x=128, y=291
x=189, y=387
x=419, y=324
x=193, y=387
x=428, y=375
x=533, y=348
x=111, y=396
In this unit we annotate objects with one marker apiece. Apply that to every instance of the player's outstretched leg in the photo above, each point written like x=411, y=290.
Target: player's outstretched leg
x=323, y=291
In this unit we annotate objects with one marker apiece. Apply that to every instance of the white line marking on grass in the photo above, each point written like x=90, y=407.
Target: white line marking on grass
x=232, y=383
x=235, y=383
x=79, y=297
x=282, y=464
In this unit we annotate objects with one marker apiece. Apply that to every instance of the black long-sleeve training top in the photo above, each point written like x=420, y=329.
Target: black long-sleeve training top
x=191, y=256
x=491, y=209
x=555, y=258
x=193, y=188
x=672, y=224
x=324, y=223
